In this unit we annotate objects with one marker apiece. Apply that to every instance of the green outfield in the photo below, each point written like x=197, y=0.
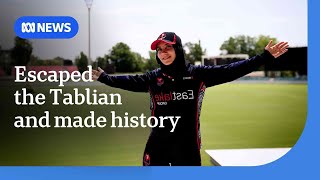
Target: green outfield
x=234, y=115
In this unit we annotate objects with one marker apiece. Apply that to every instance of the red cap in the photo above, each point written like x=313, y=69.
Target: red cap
x=167, y=37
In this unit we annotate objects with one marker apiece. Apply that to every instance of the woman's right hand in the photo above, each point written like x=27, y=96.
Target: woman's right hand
x=96, y=73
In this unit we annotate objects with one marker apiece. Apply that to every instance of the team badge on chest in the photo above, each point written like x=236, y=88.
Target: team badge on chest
x=160, y=81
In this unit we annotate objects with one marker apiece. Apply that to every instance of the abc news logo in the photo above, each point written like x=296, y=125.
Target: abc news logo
x=46, y=27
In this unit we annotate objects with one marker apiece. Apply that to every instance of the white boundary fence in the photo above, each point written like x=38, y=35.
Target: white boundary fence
x=246, y=157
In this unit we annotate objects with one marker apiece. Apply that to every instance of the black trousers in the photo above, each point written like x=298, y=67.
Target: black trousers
x=171, y=154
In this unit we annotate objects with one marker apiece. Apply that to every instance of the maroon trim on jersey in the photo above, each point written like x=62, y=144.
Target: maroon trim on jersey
x=170, y=77
x=153, y=102
x=198, y=115
x=146, y=160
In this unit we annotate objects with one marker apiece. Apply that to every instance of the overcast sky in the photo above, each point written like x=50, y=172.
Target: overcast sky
x=139, y=22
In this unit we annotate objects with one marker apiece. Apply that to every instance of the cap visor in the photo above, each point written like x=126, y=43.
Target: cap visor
x=154, y=44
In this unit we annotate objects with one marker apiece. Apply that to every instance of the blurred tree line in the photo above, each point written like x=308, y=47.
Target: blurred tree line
x=19, y=55
x=120, y=58
x=242, y=44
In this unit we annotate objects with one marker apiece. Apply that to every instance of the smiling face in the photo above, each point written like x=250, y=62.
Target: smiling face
x=165, y=53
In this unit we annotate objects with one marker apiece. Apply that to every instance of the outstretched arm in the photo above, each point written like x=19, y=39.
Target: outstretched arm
x=214, y=75
x=137, y=83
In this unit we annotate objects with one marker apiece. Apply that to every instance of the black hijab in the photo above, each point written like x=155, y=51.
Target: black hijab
x=177, y=68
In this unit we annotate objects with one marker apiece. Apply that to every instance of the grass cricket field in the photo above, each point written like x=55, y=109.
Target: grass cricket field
x=234, y=115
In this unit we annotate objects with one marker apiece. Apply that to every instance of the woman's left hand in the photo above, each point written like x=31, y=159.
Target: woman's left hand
x=277, y=49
